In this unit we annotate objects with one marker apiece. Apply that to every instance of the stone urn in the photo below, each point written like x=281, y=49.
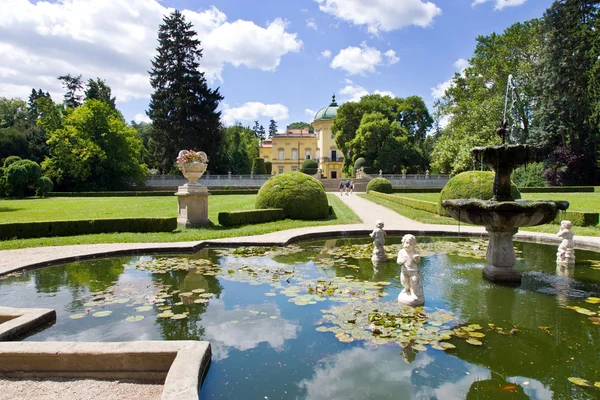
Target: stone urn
x=193, y=171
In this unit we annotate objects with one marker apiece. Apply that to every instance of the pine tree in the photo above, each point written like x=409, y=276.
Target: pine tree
x=73, y=85
x=34, y=111
x=99, y=90
x=272, y=128
x=261, y=133
x=256, y=129
x=183, y=109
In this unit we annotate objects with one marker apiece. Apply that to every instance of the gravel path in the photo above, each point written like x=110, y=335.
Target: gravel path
x=76, y=389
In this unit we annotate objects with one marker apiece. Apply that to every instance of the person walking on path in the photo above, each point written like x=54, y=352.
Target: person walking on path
x=351, y=186
x=341, y=188
x=347, y=187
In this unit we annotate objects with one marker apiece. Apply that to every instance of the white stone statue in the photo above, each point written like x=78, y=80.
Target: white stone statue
x=410, y=276
x=566, y=252
x=378, y=236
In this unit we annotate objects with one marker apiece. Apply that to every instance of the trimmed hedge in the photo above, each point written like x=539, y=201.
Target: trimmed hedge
x=380, y=185
x=417, y=190
x=301, y=196
x=557, y=189
x=577, y=218
x=26, y=230
x=258, y=166
x=235, y=218
x=146, y=193
x=428, y=206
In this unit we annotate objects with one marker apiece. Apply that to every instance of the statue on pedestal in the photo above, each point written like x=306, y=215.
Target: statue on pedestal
x=566, y=252
x=378, y=236
x=410, y=276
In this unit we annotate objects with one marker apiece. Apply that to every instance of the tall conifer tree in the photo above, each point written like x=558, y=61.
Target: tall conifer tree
x=183, y=109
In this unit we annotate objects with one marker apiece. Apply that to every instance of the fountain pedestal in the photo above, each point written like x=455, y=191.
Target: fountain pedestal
x=501, y=257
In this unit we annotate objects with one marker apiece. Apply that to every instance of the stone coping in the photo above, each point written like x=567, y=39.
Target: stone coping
x=16, y=322
x=31, y=258
x=180, y=365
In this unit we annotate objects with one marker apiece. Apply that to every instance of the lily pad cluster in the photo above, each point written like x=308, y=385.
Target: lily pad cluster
x=386, y=322
x=593, y=316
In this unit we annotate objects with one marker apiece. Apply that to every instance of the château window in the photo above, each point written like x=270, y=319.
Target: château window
x=280, y=156
x=294, y=154
x=281, y=170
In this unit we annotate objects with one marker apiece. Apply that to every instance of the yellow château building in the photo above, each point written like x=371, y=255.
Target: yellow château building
x=287, y=151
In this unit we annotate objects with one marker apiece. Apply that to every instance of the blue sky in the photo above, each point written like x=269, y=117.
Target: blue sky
x=270, y=58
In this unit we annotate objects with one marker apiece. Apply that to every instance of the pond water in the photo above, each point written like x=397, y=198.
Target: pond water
x=318, y=321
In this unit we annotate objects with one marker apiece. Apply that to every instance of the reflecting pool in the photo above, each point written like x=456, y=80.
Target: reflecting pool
x=318, y=321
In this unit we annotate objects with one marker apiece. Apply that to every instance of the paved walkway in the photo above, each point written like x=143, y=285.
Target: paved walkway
x=369, y=212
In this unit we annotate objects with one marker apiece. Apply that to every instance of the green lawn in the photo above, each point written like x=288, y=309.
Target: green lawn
x=585, y=202
x=65, y=208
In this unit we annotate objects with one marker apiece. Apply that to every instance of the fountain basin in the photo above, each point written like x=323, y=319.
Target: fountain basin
x=504, y=215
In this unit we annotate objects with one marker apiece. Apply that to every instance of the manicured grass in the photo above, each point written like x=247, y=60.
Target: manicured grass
x=67, y=208
x=584, y=202
x=430, y=218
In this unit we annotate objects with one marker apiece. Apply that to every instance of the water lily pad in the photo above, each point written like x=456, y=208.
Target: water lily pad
x=134, y=318
x=477, y=334
x=273, y=317
x=122, y=300
x=582, y=310
x=201, y=301
x=597, y=384
x=419, y=347
x=270, y=294
x=165, y=314
x=474, y=342
x=77, y=316
x=101, y=314
x=446, y=345
x=186, y=294
x=593, y=300
x=143, y=308
x=179, y=316
x=579, y=381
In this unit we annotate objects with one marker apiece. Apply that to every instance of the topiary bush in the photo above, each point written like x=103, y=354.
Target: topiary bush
x=472, y=185
x=380, y=185
x=301, y=196
x=258, y=166
x=360, y=162
x=44, y=186
x=310, y=167
x=10, y=160
x=20, y=177
x=269, y=167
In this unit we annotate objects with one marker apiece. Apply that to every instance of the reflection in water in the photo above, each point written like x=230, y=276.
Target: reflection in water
x=243, y=328
x=565, y=270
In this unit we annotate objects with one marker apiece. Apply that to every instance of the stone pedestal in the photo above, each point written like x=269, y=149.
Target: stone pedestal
x=410, y=300
x=501, y=257
x=193, y=205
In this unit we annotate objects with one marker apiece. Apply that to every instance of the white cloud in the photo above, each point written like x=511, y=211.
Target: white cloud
x=363, y=59
x=354, y=92
x=141, y=118
x=310, y=112
x=116, y=40
x=252, y=111
x=326, y=54
x=310, y=23
x=500, y=4
x=383, y=15
x=438, y=91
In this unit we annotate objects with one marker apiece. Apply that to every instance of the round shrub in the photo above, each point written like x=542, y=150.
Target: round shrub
x=472, y=185
x=258, y=166
x=380, y=185
x=11, y=160
x=21, y=177
x=301, y=196
x=44, y=186
x=310, y=167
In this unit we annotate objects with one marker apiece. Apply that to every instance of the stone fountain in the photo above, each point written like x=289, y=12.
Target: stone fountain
x=503, y=215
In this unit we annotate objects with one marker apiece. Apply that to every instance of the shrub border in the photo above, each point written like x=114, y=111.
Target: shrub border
x=27, y=230
x=236, y=218
x=146, y=193
x=428, y=206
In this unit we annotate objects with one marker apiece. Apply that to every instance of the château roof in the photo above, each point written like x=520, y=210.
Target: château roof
x=328, y=112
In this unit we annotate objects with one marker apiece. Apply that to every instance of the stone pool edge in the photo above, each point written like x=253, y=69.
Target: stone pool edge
x=23, y=320
x=180, y=365
x=22, y=259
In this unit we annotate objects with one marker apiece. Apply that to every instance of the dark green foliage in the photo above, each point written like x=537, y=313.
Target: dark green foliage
x=269, y=167
x=380, y=185
x=301, y=125
x=272, y=128
x=34, y=111
x=72, y=85
x=577, y=218
x=428, y=206
x=13, y=142
x=183, y=109
x=258, y=166
x=10, y=160
x=238, y=149
x=309, y=167
x=99, y=90
x=360, y=162
x=44, y=186
x=235, y=218
x=147, y=193
x=530, y=175
x=27, y=230
x=21, y=178
x=301, y=196
x=417, y=190
x=472, y=185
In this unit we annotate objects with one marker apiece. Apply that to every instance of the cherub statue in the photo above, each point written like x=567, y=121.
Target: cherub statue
x=378, y=236
x=565, y=253
x=410, y=275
